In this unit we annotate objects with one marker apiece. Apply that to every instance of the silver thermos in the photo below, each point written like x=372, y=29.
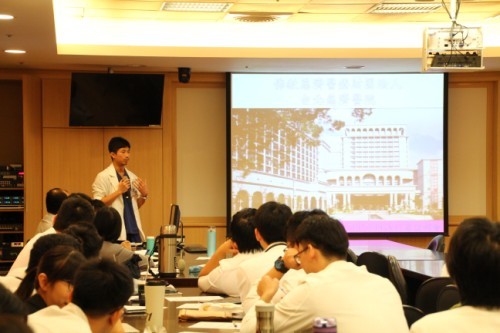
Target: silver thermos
x=167, y=250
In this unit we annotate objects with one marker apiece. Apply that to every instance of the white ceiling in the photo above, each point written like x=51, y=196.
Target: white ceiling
x=329, y=34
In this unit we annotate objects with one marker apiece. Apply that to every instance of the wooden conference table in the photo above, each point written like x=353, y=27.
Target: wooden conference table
x=417, y=264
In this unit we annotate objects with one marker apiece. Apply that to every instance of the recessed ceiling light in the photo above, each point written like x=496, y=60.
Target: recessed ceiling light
x=14, y=51
x=6, y=17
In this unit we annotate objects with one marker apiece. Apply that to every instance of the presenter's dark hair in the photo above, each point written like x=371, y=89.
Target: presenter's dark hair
x=54, y=199
x=42, y=246
x=296, y=219
x=108, y=223
x=324, y=233
x=270, y=220
x=74, y=209
x=87, y=236
x=101, y=287
x=473, y=261
x=117, y=143
x=243, y=231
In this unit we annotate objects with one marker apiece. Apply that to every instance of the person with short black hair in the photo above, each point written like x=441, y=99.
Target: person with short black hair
x=120, y=188
x=219, y=273
x=86, y=234
x=108, y=224
x=101, y=289
x=332, y=288
x=54, y=278
x=42, y=246
x=473, y=262
x=53, y=201
x=73, y=210
x=13, y=313
x=270, y=222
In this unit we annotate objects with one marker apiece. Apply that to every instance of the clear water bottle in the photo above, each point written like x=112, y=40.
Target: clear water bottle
x=211, y=241
x=324, y=325
x=265, y=317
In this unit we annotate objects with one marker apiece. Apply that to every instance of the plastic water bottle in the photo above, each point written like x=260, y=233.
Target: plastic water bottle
x=211, y=241
x=265, y=317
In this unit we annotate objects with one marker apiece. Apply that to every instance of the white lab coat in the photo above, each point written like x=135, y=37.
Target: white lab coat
x=105, y=183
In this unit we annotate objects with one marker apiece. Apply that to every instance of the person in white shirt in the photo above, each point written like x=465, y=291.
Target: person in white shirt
x=219, y=274
x=53, y=201
x=333, y=288
x=101, y=289
x=473, y=262
x=73, y=210
x=285, y=269
x=270, y=221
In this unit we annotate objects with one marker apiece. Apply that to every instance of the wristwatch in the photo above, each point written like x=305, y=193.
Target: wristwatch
x=279, y=265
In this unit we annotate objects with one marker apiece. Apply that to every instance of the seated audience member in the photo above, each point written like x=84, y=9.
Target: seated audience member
x=13, y=313
x=42, y=246
x=333, y=288
x=54, y=278
x=101, y=289
x=219, y=274
x=270, y=221
x=285, y=268
x=73, y=209
x=473, y=261
x=108, y=223
x=53, y=200
x=86, y=234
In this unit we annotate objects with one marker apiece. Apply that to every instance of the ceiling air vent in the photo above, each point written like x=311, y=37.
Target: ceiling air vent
x=404, y=8
x=257, y=17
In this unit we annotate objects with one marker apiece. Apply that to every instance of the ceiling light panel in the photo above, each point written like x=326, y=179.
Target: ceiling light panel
x=218, y=7
x=405, y=8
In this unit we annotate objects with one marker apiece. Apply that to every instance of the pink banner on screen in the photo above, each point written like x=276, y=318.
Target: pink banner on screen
x=387, y=226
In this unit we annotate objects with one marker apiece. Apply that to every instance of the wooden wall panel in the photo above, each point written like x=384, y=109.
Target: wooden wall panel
x=55, y=102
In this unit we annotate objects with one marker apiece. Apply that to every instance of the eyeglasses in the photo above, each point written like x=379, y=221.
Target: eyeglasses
x=297, y=258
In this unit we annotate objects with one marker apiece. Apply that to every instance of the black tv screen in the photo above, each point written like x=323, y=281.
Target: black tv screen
x=369, y=149
x=99, y=99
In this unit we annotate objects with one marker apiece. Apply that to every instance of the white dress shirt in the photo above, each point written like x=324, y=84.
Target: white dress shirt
x=463, y=319
x=253, y=269
x=222, y=279
x=360, y=302
x=54, y=319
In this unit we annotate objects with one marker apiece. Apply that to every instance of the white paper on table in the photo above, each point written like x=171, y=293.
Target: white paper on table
x=202, y=258
x=135, y=309
x=129, y=328
x=193, y=298
x=222, y=325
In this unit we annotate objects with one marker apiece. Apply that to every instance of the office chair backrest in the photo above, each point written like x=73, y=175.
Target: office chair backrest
x=448, y=297
x=437, y=244
x=427, y=294
x=412, y=314
x=375, y=263
x=397, y=278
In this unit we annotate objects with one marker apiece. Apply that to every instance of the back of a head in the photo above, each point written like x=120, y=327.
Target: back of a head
x=87, y=236
x=117, y=143
x=243, y=231
x=325, y=233
x=108, y=223
x=296, y=219
x=42, y=246
x=270, y=220
x=59, y=264
x=101, y=287
x=10, y=304
x=54, y=199
x=13, y=324
x=473, y=261
x=74, y=209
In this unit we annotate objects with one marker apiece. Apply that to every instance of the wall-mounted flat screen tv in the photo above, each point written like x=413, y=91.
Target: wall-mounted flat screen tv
x=369, y=149
x=99, y=99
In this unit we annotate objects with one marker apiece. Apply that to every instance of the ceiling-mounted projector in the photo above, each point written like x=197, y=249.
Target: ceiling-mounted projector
x=453, y=49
